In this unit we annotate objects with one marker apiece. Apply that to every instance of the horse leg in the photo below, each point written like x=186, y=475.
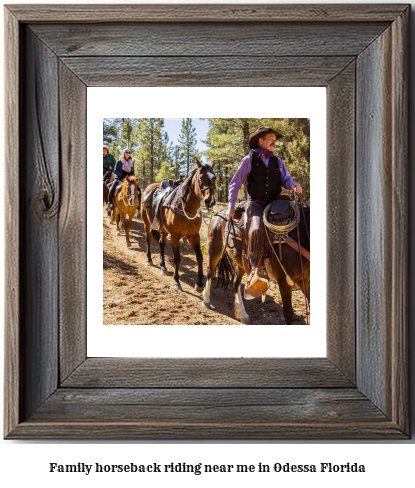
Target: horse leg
x=162, y=242
x=194, y=241
x=240, y=312
x=147, y=225
x=215, y=249
x=122, y=216
x=286, y=296
x=175, y=242
x=127, y=226
x=117, y=217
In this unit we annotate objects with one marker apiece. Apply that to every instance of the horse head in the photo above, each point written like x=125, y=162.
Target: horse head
x=130, y=189
x=205, y=181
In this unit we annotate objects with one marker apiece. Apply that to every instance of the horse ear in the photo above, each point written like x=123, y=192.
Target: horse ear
x=199, y=164
x=212, y=164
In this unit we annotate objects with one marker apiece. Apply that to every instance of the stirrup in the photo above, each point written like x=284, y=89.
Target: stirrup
x=257, y=285
x=155, y=225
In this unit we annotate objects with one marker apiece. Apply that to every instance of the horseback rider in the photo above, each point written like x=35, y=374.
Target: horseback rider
x=124, y=167
x=265, y=174
x=109, y=163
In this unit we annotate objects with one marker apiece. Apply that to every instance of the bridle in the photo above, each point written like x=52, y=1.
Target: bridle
x=201, y=190
x=204, y=188
x=132, y=195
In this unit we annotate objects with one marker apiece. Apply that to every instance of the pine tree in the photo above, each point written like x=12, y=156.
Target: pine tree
x=187, y=144
x=111, y=134
x=150, y=152
x=295, y=152
x=128, y=137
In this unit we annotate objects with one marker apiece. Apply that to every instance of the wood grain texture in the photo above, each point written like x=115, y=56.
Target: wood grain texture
x=72, y=222
x=188, y=430
x=382, y=223
x=209, y=405
x=400, y=245
x=40, y=174
x=206, y=373
x=207, y=71
x=12, y=209
x=341, y=236
x=227, y=39
x=206, y=13
x=373, y=221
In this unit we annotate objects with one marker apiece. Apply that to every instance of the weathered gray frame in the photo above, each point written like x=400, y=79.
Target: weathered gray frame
x=359, y=52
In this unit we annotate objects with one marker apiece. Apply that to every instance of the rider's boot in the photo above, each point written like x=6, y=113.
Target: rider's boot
x=155, y=225
x=258, y=281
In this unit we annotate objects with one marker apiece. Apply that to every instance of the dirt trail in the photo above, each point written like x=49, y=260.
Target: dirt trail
x=135, y=293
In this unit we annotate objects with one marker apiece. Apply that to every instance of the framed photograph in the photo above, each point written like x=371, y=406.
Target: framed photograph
x=53, y=388
x=143, y=313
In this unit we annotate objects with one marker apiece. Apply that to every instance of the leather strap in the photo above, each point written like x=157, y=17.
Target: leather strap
x=294, y=245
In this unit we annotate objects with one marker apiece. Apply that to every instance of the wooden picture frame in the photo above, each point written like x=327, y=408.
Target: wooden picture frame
x=360, y=53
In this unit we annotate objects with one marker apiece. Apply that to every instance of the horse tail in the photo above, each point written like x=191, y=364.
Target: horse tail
x=156, y=235
x=225, y=272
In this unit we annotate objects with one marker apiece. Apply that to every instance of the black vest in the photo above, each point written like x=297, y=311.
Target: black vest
x=264, y=183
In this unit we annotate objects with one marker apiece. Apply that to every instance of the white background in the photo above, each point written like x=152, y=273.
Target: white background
x=387, y=464
x=206, y=341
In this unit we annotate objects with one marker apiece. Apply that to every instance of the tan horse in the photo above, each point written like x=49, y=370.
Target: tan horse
x=126, y=203
x=182, y=218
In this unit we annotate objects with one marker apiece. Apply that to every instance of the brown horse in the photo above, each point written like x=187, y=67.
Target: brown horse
x=126, y=202
x=182, y=218
x=230, y=268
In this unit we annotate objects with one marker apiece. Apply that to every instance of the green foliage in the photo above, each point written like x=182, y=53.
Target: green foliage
x=150, y=149
x=128, y=136
x=165, y=172
x=111, y=135
x=187, y=145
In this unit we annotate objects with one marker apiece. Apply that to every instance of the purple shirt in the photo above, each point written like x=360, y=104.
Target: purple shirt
x=244, y=169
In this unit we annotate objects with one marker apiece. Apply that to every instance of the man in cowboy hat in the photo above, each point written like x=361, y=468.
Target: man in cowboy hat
x=265, y=174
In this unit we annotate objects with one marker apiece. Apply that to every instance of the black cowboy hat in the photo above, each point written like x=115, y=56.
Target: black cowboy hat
x=261, y=131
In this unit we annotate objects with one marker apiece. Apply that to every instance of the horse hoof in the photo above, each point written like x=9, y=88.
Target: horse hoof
x=163, y=272
x=118, y=233
x=206, y=303
x=177, y=287
x=199, y=289
x=243, y=317
x=149, y=263
x=128, y=244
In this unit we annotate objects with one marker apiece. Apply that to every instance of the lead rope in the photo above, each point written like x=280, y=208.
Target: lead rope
x=197, y=214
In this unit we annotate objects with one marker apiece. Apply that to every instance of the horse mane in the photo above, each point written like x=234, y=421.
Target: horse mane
x=127, y=179
x=185, y=187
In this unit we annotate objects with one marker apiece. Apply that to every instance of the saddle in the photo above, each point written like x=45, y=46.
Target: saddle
x=160, y=197
x=279, y=213
x=118, y=187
